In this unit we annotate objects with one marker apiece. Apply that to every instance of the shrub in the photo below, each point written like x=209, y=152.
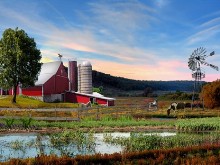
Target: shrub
x=211, y=94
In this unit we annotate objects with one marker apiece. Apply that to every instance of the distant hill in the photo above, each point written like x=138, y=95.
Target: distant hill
x=119, y=86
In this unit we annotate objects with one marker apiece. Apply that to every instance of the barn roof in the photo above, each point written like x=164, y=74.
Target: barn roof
x=94, y=94
x=47, y=71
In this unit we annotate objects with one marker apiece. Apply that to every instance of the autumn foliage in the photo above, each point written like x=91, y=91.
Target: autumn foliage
x=211, y=94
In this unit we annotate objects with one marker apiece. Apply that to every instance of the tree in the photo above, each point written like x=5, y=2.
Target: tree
x=211, y=94
x=19, y=60
x=147, y=91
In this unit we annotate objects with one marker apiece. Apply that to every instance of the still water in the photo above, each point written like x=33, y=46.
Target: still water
x=32, y=144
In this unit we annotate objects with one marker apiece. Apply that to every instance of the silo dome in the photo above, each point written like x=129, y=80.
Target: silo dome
x=86, y=63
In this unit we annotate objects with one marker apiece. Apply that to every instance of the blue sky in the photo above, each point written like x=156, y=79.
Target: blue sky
x=137, y=39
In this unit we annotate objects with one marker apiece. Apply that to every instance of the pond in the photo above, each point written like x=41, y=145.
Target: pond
x=24, y=145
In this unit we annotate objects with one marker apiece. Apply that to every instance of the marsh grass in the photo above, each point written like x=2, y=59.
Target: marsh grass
x=83, y=141
x=198, y=124
x=141, y=141
x=9, y=121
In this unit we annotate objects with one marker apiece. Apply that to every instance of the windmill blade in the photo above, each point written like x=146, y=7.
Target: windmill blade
x=199, y=52
x=211, y=65
x=202, y=51
x=205, y=63
x=214, y=67
x=192, y=65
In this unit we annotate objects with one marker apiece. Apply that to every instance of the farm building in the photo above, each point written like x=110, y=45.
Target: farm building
x=57, y=83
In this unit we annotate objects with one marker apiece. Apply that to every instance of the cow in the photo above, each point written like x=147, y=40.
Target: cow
x=175, y=106
x=153, y=104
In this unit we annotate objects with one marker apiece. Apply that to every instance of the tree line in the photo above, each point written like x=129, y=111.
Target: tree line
x=107, y=80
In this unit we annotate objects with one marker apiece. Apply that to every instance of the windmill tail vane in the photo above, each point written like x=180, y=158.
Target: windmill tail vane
x=212, y=53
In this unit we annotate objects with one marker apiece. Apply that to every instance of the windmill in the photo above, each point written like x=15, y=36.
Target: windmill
x=197, y=58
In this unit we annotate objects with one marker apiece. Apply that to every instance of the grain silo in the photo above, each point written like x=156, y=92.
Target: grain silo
x=72, y=75
x=79, y=78
x=85, y=77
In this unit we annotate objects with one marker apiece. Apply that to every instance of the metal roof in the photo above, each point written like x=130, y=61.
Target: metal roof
x=47, y=71
x=94, y=94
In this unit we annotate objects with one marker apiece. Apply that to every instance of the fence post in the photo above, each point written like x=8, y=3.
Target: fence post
x=56, y=113
x=97, y=114
x=78, y=114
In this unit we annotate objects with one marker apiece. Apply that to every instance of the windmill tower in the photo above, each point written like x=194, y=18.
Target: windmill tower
x=197, y=58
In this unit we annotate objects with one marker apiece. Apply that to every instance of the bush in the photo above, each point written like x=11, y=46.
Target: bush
x=176, y=96
x=211, y=94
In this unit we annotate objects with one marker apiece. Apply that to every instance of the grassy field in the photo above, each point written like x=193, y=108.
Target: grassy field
x=27, y=103
x=127, y=112
x=128, y=115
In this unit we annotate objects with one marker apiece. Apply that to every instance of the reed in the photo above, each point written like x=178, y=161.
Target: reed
x=141, y=141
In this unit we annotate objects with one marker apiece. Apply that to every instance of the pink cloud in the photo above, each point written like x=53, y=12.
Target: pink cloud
x=160, y=71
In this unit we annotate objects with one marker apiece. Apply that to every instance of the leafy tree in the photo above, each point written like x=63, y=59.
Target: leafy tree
x=211, y=94
x=98, y=90
x=147, y=91
x=19, y=60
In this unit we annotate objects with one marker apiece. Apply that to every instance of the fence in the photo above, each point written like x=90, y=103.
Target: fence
x=76, y=114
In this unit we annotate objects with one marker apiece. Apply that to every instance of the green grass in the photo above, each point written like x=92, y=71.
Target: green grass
x=104, y=123
x=27, y=102
x=198, y=124
x=140, y=141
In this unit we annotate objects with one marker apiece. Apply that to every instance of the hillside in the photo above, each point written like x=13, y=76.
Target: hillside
x=119, y=86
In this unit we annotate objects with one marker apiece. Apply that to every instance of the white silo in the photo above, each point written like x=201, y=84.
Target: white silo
x=85, y=77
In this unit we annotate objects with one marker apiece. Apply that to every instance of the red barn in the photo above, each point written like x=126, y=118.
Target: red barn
x=51, y=85
x=54, y=84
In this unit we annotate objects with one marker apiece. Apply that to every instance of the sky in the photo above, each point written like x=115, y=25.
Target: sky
x=135, y=39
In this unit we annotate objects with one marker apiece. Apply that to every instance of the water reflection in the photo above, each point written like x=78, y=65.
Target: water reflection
x=67, y=143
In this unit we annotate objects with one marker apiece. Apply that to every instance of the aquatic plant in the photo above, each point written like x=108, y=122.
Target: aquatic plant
x=26, y=122
x=198, y=124
x=63, y=141
x=9, y=121
x=141, y=141
x=17, y=145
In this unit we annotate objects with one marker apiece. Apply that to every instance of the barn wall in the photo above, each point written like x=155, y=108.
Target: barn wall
x=82, y=99
x=32, y=91
x=58, y=83
x=101, y=101
x=111, y=103
x=70, y=97
x=3, y=92
x=76, y=98
x=10, y=91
